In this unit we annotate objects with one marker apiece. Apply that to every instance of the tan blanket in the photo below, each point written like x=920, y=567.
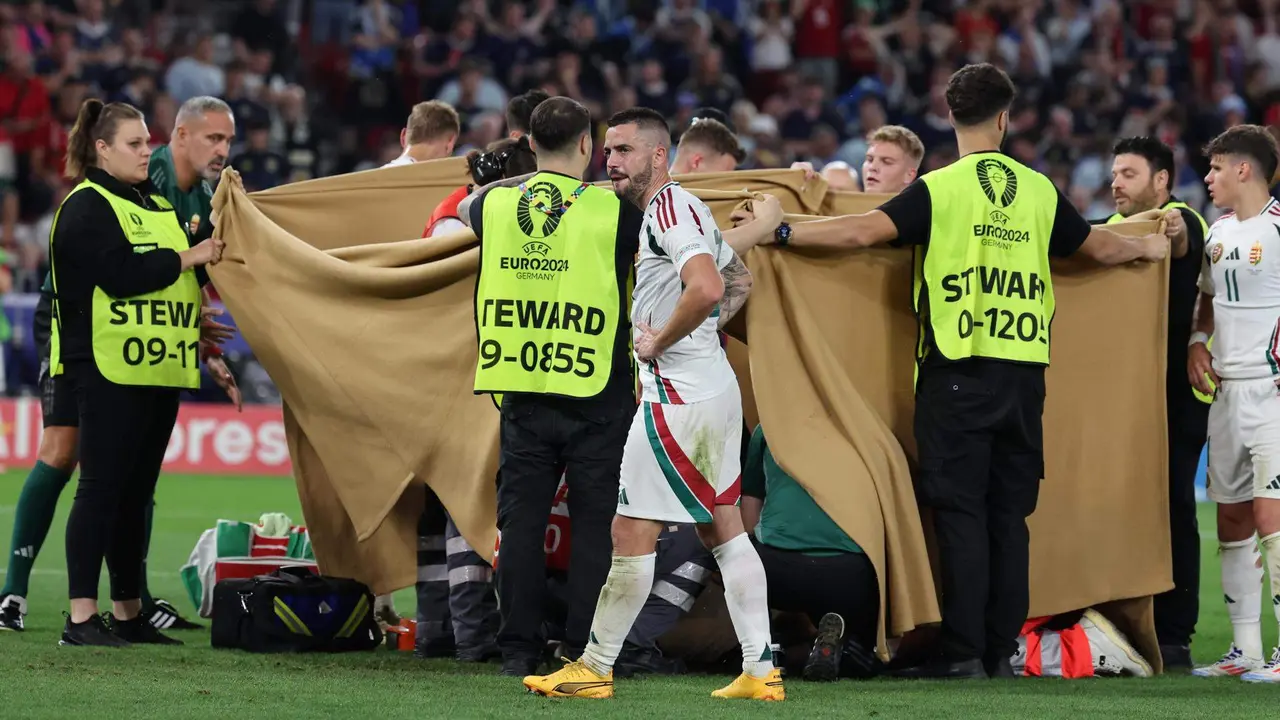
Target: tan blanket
x=369, y=335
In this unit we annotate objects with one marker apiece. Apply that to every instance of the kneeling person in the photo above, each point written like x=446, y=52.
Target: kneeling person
x=812, y=566
x=682, y=455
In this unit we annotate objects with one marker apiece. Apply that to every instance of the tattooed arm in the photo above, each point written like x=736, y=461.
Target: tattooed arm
x=737, y=286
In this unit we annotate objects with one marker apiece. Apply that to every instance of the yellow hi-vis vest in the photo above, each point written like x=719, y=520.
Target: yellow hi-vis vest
x=151, y=339
x=1204, y=229
x=984, y=275
x=548, y=298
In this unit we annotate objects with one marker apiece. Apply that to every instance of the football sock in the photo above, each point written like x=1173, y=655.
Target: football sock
x=746, y=594
x=32, y=518
x=1271, y=544
x=621, y=599
x=145, y=592
x=1242, y=587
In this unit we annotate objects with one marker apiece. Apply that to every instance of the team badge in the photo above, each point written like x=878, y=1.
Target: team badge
x=1215, y=253
x=1255, y=253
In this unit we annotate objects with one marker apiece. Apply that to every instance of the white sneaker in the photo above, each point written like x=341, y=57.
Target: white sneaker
x=1233, y=664
x=1270, y=673
x=1112, y=652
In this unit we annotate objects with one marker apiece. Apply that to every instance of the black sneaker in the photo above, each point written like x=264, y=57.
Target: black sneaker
x=519, y=667
x=1175, y=657
x=430, y=648
x=479, y=654
x=139, y=631
x=90, y=633
x=635, y=660
x=824, y=660
x=12, y=610
x=858, y=662
x=164, y=616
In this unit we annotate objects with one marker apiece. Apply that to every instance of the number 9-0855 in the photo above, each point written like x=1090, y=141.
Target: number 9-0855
x=557, y=357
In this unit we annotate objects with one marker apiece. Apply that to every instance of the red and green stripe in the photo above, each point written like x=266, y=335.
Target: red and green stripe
x=696, y=494
x=1273, y=350
x=666, y=391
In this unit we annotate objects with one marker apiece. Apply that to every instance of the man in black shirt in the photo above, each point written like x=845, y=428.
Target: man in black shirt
x=980, y=393
x=544, y=435
x=1141, y=182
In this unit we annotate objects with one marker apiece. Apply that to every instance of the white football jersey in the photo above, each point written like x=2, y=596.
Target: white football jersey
x=678, y=226
x=404, y=159
x=1241, y=270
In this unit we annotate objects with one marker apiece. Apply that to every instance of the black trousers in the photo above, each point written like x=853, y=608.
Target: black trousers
x=538, y=442
x=979, y=434
x=124, y=432
x=816, y=585
x=1177, y=610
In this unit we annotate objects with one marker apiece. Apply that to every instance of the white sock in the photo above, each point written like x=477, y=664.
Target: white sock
x=746, y=593
x=621, y=599
x=1242, y=585
x=1271, y=544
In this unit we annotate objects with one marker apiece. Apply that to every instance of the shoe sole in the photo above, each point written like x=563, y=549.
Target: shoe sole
x=824, y=660
x=542, y=693
x=1112, y=633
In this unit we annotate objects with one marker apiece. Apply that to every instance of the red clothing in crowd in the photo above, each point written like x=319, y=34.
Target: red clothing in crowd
x=25, y=99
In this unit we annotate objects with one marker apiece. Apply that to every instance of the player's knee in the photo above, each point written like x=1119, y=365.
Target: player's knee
x=58, y=448
x=1235, y=522
x=1266, y=515
x=632, y=536
x=726, y=524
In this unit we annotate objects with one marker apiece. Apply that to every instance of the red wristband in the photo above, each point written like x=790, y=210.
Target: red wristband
x=211, y=351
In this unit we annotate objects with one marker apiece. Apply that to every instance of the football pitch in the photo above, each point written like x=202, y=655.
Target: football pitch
x=38, y=679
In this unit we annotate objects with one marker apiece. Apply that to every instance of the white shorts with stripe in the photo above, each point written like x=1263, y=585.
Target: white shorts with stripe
x=682, y=460
x=1244, y=442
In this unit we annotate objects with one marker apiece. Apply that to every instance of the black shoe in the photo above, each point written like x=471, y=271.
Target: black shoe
x=1176, y=657
x=823, y=664
x=92, y=632
x=480, y=654
x=426, y=649
x=940, y=668
x=139, y=632
x=12, y=609
x=519, y=667
x=164, y=616
x=858, y=662
x=635, y=660
x=1000, y=669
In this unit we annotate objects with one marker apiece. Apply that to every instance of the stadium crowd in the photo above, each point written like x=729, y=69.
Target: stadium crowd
x=324, y=87
x=800, y=80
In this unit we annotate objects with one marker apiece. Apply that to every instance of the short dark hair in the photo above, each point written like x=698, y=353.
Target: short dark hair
x=557, y=123
x=713, y=135
x=1158, y=155
x=1254, y=142
x=645, y=119
x=977, y=93
x=521, y=107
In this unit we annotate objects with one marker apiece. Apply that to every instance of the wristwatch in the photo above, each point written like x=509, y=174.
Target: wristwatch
x=782, y=236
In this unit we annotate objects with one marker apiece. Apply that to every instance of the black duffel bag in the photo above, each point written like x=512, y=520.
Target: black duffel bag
x=294, y=610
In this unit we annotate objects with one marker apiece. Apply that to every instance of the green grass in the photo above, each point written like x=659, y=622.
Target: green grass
x=38, y=679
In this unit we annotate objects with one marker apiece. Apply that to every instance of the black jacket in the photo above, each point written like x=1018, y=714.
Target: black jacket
x=91, y=250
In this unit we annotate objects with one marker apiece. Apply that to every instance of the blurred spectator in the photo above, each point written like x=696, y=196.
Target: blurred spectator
x=260, y=167
x=710, y=84
x=195, y=74
x=259, y=27
x=771, y=34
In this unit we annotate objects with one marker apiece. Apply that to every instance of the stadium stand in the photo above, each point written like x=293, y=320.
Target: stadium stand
x=800, y=80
